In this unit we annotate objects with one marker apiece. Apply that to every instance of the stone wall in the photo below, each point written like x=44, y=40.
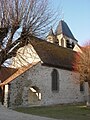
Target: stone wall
x=40, y=76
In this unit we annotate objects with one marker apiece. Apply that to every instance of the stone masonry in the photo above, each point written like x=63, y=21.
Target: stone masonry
x=40, y=77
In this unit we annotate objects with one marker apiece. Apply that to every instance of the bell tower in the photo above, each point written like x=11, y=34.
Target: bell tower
x=62, y=36
x=65, y=36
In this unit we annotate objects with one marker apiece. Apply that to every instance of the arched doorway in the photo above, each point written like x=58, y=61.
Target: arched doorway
x=34, y=95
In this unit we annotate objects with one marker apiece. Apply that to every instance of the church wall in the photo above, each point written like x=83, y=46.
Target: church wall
x=40, y=76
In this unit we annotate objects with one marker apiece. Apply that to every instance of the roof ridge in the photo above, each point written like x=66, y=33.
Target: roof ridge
x=64, y=29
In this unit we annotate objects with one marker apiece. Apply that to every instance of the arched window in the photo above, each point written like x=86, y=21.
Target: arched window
x=55, y=80
x=73, y=45
x=56, y=41
x=62, y=42
x=68, y=43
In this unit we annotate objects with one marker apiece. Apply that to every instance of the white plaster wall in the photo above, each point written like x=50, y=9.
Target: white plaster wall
x=59, y=37
x=6, y=96
x=77, y=48
x=40, y=76
x=25, y=55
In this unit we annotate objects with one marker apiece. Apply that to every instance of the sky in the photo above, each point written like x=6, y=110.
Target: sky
x=76, y=13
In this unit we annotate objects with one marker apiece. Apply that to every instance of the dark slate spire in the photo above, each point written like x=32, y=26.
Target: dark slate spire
x=63, y=28
x=51, y=33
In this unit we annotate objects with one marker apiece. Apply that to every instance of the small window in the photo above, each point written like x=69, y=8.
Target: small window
x=82, y=86
x=62, y=42
x=55, y=80
x=57, y=42
x=67, y=43
x=73, y=45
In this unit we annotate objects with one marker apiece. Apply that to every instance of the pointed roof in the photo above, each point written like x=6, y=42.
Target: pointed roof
x=63, y=28
x=51, y=33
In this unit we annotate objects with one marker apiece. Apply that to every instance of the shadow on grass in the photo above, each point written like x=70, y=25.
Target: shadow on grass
x=65, y=112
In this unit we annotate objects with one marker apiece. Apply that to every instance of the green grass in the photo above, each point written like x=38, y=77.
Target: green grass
x=65, y=112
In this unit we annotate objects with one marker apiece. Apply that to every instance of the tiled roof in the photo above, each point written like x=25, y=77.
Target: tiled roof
x=6, y=73
x=53, y=55
x=9, y=74
x=63, y=28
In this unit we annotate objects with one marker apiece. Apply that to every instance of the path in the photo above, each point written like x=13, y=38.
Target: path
x=7, y=114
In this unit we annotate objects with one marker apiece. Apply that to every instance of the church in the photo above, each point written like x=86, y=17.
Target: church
x=49, y=77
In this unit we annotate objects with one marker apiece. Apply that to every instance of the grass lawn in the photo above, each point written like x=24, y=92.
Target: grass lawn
x=65, y=112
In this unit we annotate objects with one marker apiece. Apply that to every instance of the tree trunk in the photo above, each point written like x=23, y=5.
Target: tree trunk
x=88, y=97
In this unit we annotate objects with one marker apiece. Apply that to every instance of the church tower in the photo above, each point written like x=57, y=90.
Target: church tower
x=63, y=36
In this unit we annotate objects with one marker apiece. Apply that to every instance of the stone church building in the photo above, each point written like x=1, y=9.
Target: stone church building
x=49, y=78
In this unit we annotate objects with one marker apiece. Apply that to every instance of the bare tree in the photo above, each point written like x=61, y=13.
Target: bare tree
x=32, y=17
x=82, y=65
